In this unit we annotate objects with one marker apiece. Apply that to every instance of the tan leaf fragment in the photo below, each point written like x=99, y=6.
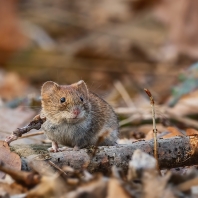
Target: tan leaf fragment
x=116, y=190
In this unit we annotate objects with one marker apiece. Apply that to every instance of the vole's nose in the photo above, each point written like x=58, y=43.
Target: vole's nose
x=76, y=112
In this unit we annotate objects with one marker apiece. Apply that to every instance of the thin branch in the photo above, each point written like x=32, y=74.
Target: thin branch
x=127, y=110
x=168, y=113
x=187, y=185
x=35, y=124
x=59, y=169
x=129, y=120
x=173, y=152
x=33, y=134
x=123, y=92
x=186, y=121
x=154, y=127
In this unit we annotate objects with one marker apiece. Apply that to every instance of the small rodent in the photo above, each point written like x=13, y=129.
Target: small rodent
x=76, y=117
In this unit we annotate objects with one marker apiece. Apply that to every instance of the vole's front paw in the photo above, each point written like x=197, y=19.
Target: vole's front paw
x=54, y=147
x=53, y=150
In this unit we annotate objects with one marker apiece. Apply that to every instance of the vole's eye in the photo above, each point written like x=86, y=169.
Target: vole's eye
x=62, y=100
x=81, y=99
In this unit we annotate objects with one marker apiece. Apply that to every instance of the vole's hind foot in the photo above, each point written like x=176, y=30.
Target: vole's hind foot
x=64, y=148
x=58, y=149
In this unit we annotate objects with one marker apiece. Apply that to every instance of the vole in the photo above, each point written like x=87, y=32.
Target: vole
x=76, y=117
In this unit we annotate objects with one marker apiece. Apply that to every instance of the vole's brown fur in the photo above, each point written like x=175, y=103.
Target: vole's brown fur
x=79, y=120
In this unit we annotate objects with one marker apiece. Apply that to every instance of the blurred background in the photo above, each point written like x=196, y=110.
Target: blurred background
x=118, y=47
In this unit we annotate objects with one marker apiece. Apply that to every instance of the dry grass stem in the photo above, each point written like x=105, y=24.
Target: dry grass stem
x=154, y=127
x=123, y=92
x=33, y=134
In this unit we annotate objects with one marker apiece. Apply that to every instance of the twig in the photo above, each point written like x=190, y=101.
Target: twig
x=127, y=110
x=59, y=169
x=35, y=124
x=39, y=35
x=121, y=89
x=128, y=120
x=33, y=134
x=187, y=184
x=187, y=121
x=154, y=127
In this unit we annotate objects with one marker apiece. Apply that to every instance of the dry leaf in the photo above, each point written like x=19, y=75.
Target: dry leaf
x=95, y=188
x=116, y=190
x=190, y=132
x=173, y=132
x=155, y=186
x=149, y=135
x=12, y=160
x=13, y=189
x=140, y=163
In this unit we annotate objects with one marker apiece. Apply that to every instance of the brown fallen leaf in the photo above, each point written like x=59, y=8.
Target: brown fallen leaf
x=190, y=132
x=173, y=132
x=149, y=135
x=116, y=190
x=12, y=189
x=12, y=160
x=95, y=188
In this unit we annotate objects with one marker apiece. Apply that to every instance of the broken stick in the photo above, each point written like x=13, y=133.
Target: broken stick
x=34, y=124
x=173, y=152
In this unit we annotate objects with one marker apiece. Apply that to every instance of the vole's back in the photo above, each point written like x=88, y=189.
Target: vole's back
x=104, y=119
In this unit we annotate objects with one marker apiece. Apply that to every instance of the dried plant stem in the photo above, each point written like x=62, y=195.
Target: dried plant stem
x=123, y=92
x=34, y=124
x=33, y=134
x=154, y=127
x=187, y=184
x=130, y=119
x=58, y=168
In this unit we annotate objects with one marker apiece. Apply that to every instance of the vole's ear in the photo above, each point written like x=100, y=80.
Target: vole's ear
x=82, y=87
x=48, y=87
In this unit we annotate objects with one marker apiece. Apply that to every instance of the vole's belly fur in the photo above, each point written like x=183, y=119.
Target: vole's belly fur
x=80, y=134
